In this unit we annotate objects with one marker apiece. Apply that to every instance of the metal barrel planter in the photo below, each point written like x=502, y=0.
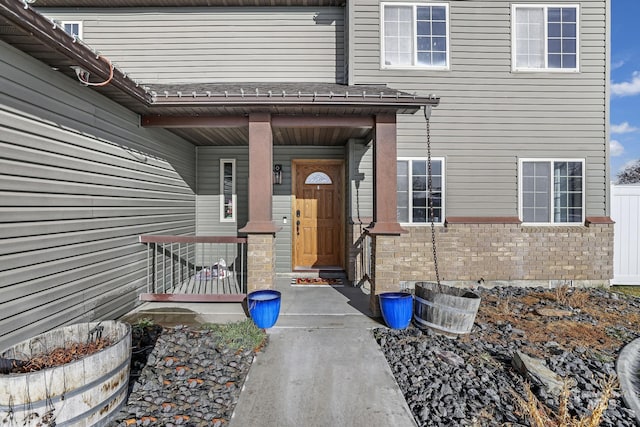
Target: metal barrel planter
x=449, y=311
x=85, y=392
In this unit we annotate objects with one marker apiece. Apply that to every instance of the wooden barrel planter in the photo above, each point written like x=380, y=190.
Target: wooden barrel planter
x=450, y=312
x=85, y=392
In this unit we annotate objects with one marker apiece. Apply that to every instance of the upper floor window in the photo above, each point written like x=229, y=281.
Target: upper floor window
x=545, y=37
x=73, y=28
x=415, y=35
x=413, y=191
x=227, y=190
x=552, y=191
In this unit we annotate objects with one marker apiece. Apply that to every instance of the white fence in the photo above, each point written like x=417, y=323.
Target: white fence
x=625, y=211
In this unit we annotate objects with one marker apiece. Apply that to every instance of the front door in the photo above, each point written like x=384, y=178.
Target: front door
x=318, y=226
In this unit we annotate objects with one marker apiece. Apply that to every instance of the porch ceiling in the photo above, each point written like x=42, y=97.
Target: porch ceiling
x=281, y=136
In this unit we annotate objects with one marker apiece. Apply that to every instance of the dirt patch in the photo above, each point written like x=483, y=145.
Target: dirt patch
x=599, y=321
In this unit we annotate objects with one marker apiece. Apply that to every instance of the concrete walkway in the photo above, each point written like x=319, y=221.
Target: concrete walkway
x=322, y=366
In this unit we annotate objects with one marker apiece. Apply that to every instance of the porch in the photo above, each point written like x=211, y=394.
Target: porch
x=205, y=269
x=301, y=307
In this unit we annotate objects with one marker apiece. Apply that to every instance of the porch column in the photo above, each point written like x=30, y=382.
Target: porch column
x=385, y=227
x=260, y=175
x=385, y=216
x=260, y=228
x=261, y=262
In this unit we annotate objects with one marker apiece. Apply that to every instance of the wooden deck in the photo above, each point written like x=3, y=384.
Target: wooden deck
x=202, y=287
x=195, y=268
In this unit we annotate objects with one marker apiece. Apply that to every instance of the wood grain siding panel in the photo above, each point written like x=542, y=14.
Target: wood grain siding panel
x=489, y=116
x=278, y=44
x=79, y=181
x=75, y=112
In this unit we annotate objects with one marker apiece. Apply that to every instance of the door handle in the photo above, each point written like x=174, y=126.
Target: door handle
x=297, y=227
x=298, y=213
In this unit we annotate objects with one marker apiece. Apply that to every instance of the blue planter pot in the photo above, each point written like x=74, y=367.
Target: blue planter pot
x=264, y=307
x=397, y=309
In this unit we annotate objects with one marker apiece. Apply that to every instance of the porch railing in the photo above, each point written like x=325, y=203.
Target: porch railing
x=195, y=268
x=363, y=259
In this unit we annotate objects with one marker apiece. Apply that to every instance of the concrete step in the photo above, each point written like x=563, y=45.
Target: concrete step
x=327, y=321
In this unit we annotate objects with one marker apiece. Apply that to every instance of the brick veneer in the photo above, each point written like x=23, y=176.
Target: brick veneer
x=261, y=261
x=498, y=254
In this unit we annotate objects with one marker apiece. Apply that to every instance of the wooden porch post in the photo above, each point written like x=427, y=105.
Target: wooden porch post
x=260, y=228
x=260, y=175
x=385, y=216
x=385, y=227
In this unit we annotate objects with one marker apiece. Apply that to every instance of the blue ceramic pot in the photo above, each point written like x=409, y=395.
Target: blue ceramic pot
x=264, y=307
x=397, y=309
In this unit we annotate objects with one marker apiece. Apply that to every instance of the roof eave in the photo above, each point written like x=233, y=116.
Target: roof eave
x=47, y=32
x=407, y=104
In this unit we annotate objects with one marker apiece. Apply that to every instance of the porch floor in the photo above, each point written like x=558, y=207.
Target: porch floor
x=301, y=307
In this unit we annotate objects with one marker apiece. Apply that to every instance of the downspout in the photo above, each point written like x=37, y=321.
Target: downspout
x=607, y=108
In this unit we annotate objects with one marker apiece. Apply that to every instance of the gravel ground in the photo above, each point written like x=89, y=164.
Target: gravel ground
x=470, y=381
x=191, y=380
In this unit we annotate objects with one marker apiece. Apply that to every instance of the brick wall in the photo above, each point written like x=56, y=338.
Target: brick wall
x=261, y=262
x=500, y=254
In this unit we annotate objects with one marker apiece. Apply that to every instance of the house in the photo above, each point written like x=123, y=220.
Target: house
x=302, y=126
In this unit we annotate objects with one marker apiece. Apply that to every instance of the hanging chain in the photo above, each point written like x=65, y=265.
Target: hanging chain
x=430, y=198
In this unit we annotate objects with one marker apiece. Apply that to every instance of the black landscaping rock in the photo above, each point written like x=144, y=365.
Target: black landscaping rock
x=480, y=391
x=190, y=379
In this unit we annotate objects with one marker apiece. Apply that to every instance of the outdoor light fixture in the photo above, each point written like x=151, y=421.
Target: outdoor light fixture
x=277, y=174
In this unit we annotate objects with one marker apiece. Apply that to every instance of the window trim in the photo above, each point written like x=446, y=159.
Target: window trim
x=234, y=200
x=410, y=206
x=552, y=223
x=384, y=66
x=545, y=7
x=79, y=23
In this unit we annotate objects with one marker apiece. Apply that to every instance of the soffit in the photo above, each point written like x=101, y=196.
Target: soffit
x=318, y=136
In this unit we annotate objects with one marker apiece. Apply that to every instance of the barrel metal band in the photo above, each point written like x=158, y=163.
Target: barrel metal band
x=438, y=327
x=99, y=407
x=72, y=393
x=449, y=308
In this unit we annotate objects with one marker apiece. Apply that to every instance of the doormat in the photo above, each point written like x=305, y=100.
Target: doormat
x=309, y=282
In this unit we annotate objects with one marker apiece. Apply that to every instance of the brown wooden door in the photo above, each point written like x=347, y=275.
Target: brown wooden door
x=318, y=226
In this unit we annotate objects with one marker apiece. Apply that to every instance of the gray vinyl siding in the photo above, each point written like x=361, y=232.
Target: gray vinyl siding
x=360, y=181
x=218, y=44
x=489, y=116
x=79, y=182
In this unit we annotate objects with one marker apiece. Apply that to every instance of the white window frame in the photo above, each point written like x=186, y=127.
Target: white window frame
x=78, y=23
x=545, y=8
x=551, y=192
x=414, y=5
x=233, y=186
x=410, y=206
